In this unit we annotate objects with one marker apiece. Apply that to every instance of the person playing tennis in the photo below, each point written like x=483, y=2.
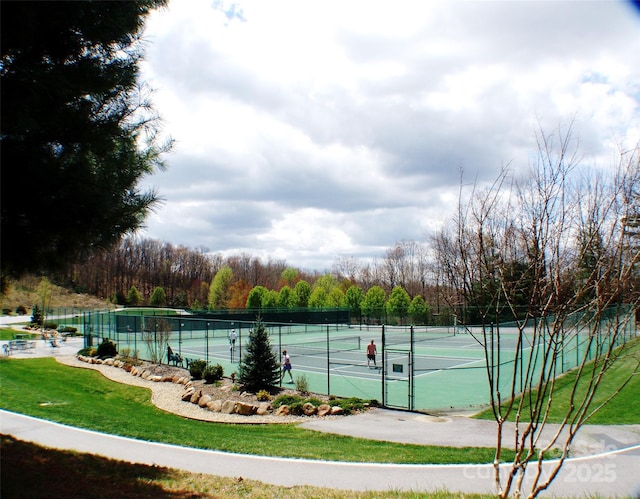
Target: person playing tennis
x=371, y=354
x=286, y=366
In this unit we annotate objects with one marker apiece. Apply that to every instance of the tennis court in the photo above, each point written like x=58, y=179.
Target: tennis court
x=417, y=368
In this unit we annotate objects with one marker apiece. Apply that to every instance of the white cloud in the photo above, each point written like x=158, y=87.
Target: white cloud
x=312, y=130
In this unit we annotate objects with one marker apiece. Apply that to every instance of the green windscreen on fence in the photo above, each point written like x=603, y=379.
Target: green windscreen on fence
x=434, y=367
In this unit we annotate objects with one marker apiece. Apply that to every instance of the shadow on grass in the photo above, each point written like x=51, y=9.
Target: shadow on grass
x=28, y=470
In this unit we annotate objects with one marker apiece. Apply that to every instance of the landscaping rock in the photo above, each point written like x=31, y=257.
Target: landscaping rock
x=228, y=407
x=196, y=396
x=308, y=409
x=245, y=409
x=323, y=409
x=204, y=400
x=283, y=410
x=263, y=408
x=215, y=405
x=336, y=410
x=186, y=396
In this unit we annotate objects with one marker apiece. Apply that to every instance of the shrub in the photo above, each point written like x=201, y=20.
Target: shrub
x=196, y=368
x=21, y=310
x=286, y=400
x=295, y=402
x=50, y=325
x=107, y=349
x=302, y=384
x=88, y=351
x=130, y=356
x=263, y=396
x=213, y=373
x=353, y=404
x=296, y=408
x=68, y=329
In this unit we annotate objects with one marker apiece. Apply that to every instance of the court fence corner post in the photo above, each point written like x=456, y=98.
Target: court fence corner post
x=383, y=370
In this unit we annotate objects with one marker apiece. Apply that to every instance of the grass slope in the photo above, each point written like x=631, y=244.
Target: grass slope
x=84, y=398
x=624, y=408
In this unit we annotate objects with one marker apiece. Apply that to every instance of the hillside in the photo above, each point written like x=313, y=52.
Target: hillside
x=25, y=293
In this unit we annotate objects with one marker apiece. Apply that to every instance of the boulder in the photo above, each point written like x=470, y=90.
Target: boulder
x=177, y=378
x=336, y=410
x=196, y=396
x=204, y=400
x=323, y=409
x=228, y=407
x=283, y=410
x=155, y=378
x=263, y=408
x=186, y=396
x=308, y=409
x=245, y=409
x=215, y=405
x=167, y=378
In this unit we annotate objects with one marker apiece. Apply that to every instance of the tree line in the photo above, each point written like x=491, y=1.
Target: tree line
x=143, y=271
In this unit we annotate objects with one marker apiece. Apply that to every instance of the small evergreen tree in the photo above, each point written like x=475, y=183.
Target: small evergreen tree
x=259, y=368
x=37, y=316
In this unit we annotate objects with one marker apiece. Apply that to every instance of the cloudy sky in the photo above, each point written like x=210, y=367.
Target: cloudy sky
x=313, y=130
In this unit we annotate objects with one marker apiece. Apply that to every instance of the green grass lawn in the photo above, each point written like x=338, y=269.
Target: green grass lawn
x=623, y=409
x=84, y=398
x=10, y=334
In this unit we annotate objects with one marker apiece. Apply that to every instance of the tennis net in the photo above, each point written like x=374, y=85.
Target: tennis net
x=403, y=336
x=322, y=347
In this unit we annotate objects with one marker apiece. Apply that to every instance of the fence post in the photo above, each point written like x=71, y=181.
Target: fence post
x=328, y=365
x=384, y=356
x=411, y=371
x=206, y=334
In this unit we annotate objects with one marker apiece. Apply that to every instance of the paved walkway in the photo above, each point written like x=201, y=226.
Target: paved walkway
x=607, y=466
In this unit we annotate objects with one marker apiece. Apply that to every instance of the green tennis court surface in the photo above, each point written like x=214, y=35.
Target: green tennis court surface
x=420, y=368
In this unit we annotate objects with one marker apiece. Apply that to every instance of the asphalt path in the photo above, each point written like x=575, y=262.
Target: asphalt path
x=613, y=473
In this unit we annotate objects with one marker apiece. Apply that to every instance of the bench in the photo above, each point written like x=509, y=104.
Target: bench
x=21, y=344
x=175, y=358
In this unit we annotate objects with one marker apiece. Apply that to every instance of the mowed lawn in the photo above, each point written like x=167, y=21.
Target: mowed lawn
x=623, y=409
x=84, y=398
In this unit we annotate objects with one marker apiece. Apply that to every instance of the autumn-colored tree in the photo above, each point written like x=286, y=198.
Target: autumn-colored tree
x=238, y=294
